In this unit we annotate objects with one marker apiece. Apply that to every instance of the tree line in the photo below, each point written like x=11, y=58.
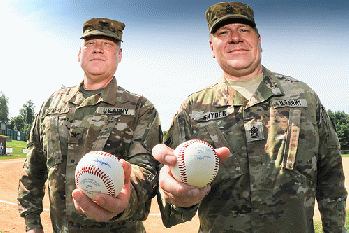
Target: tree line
x=341, y=123
x=23, y=121
x=26, y=116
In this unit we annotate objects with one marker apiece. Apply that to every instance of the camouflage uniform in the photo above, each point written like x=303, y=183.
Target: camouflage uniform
x=67, y=127
x=284, y=155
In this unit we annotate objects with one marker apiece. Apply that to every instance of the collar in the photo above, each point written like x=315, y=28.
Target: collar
x=108, y=95
x=228, y=96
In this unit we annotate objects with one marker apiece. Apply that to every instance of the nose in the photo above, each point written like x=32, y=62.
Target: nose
x=235, y=37
x=98, y=48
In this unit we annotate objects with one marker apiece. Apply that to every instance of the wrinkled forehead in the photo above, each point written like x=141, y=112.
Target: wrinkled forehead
x=101, y=37
x=241, y=22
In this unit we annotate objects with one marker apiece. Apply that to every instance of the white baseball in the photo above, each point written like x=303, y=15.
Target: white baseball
x=99, y=172
x=197, y=163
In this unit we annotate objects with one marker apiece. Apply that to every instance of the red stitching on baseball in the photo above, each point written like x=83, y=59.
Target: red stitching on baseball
x=180, y=161
x=99, y=173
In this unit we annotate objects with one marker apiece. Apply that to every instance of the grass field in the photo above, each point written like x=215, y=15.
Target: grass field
x=18, y=147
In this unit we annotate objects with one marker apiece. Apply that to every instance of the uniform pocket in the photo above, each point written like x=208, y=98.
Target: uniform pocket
x=53, y=129
x=210, y=133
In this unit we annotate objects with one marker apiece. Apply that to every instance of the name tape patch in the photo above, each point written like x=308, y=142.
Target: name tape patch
x=57, y=110
x=289, y=103
x=210, y=116
x=115, y=111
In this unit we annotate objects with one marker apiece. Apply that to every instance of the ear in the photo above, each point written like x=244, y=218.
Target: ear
x=260, y=38
x=120, y=54
x=79, y=55
x=260, y=42
x=211, y=46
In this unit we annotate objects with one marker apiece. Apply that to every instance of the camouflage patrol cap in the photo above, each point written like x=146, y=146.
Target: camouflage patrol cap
x=218, y=13
x=103, y=27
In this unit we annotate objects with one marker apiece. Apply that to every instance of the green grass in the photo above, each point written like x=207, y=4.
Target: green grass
x=18, y=147
x=318, y=227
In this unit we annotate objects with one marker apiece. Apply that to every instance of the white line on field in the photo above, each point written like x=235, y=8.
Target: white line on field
x=12, y=161
x=15, y=204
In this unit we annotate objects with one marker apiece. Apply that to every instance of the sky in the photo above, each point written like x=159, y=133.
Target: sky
x=166, y=54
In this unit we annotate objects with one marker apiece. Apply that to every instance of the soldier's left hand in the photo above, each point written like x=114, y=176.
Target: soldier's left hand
x=105, y=207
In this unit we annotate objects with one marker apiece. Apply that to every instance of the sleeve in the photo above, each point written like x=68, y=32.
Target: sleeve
x=331, y=193
x=31, y=188
x=179, y=132
x=144, y=175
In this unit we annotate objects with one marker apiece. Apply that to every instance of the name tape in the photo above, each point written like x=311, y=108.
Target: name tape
x=115, y=111
x=289, y=103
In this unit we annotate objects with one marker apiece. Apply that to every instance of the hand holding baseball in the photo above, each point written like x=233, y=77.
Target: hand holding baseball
x=164, y=154
x=174, y=191
x=105, y=207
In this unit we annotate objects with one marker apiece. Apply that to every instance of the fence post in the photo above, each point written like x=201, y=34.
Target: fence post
x=2, y=145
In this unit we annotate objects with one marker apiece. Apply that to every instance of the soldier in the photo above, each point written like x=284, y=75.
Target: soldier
x=284, y=151
x=95, y=115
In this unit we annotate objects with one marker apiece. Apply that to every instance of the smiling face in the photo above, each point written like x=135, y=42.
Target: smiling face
x=99, y=58
x=237, y=48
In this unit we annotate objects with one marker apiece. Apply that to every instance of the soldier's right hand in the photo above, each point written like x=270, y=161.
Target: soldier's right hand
x=178, y=193
x=105, y=207
x=173, y=191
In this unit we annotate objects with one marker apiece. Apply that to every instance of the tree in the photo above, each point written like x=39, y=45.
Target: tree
x=4, y=113
x=17, y=123
x=27, y=112
x=24, y=120
x=27, y=115
x=341, y=123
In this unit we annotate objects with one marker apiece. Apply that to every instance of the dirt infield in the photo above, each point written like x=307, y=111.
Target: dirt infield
x=10, y=221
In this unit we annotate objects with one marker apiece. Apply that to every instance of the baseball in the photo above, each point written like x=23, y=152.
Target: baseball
x=197, y=163
x=99, y=172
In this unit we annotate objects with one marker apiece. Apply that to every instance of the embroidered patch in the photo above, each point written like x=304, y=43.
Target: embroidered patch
x=51, y=111
x=254, y=131
x=209, y=115
x=115, y=111
x=289, y=103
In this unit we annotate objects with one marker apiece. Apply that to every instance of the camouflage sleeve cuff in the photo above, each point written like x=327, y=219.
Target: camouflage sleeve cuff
x=333, y=214
x=187, y=213
x=178, y=215
x=33, y=221
x=172, y=215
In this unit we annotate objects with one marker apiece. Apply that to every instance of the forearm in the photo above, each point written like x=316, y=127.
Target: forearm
x=144, y=175
x=30, y=196
x=31, y=189
x=331, y=193
x=331, y=196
